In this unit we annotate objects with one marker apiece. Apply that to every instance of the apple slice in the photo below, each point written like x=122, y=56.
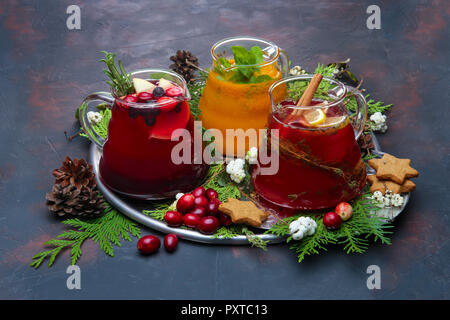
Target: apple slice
x=165, y=84
x=141, y=85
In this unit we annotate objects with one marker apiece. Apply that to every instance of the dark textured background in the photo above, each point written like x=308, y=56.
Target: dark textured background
x=45, y=70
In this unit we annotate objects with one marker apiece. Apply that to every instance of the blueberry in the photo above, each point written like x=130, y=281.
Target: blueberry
x=150, y=112
x=155, y=111
x=150, y=121
x=133, y=113
x=178, y=107
x=158, y=92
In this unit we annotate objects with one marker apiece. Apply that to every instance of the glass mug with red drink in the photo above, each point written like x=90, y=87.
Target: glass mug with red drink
x=320, y=161
x=136, y=159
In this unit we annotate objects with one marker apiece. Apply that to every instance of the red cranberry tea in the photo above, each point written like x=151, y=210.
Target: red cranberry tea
x=319, y=160
x=136, y=157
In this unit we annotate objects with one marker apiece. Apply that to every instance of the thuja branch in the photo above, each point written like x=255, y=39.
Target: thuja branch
x=106, y=231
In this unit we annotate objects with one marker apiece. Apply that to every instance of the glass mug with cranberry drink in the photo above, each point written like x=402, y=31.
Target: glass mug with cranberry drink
x=136, y=159
x=319, y=159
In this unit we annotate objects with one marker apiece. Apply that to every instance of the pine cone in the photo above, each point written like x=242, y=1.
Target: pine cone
x=71, y=201
x=365, y=142
x=183, y=64
x=75, y=172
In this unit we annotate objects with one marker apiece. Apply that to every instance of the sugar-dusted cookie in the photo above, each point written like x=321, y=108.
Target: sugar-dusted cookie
x=392, y=168
x=243, y=212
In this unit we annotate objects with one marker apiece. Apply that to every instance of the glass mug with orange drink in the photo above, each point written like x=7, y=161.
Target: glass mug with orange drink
x=320, y=161
x=235, y=95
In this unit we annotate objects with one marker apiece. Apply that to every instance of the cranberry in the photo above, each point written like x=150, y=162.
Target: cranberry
x=174, y=91
x=173, y=218
x=200, y=201
x=225, y=219
x=344, y=210
x=208, y=224
x=148, y=244
x=191, y=220
x=167, y=103
x=211, y=193
x=170, y=242
x=213, y=207
x=199, y=192
x=199, y=211
x=131, y=98
x=145, y=96
x=332, y=220
x=186, y=203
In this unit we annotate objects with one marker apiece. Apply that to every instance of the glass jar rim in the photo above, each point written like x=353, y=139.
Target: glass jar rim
x=155, y=104
x=305, y=77
x=245, y=38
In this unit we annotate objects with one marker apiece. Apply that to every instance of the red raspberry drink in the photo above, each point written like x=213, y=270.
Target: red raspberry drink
x=136, y=158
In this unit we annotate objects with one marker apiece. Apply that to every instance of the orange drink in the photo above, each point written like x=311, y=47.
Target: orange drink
x=236, y=91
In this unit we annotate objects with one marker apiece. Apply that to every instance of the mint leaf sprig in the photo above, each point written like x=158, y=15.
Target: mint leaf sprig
x=120, y=80
x=246, y=63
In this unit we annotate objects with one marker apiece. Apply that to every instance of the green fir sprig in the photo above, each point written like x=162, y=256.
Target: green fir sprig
x=372, y=105
x=196, y=90
x=353, y=235
x=107, y=231
x=296, y=89
x=228, y=232
x=100, y=128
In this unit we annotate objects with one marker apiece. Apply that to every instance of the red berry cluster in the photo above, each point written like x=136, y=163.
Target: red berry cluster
x=166, y=100
x=333, y=219
x=200, y=210
x=149, y=244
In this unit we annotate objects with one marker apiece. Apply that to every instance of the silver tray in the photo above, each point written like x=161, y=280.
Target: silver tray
x=133, y=209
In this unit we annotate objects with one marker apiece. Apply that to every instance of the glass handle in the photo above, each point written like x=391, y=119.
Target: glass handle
x=284, y=63
x=85, y=124
x=361, y=111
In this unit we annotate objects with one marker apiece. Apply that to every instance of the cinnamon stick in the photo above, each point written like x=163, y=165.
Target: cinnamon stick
x=307, y=96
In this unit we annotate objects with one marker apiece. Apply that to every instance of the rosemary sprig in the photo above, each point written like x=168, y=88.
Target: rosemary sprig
x=120, y=80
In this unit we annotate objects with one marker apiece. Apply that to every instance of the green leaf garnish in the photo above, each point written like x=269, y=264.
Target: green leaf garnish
x=247, y=64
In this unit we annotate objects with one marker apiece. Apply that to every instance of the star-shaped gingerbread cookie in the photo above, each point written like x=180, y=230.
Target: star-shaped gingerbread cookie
x=384, y=185
x=243, y=212
x=392, y=168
